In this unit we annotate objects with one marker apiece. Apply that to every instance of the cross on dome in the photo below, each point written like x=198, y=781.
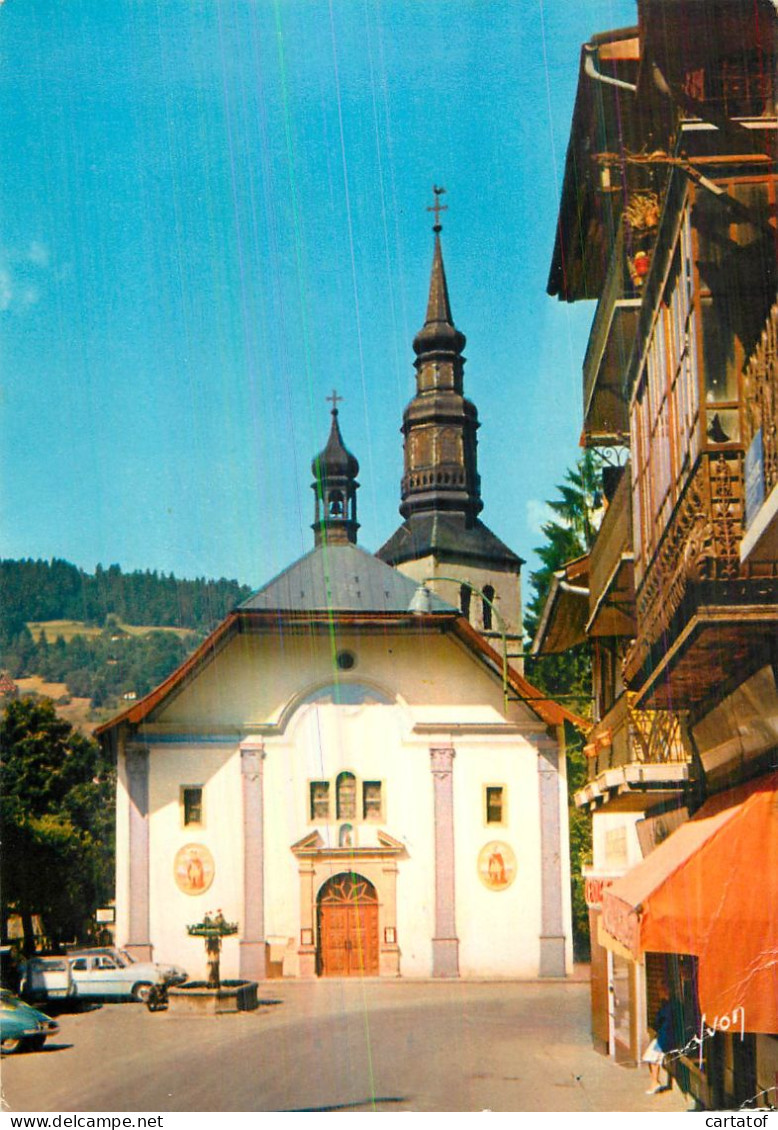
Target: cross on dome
x=437, y=208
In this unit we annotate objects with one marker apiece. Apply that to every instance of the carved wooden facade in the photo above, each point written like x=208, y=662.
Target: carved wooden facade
x=762, y=397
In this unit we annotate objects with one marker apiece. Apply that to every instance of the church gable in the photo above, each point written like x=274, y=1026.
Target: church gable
x=258, y=678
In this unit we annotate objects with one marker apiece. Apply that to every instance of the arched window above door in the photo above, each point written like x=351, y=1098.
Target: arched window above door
x=346, y=796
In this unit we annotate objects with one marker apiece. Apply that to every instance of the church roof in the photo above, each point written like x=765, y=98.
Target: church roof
x=339, y=578
x=441, y=533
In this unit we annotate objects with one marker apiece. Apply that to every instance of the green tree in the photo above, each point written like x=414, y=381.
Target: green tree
x=56, y=815
x=569, y=676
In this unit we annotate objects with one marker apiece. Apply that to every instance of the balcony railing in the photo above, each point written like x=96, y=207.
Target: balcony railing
x=606, y=417
x=762, y=398
x=611, y=579
x=627, y=736
x=702, y=616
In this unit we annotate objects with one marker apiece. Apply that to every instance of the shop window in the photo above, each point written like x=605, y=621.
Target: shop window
x=320, y=800
x=371, y=801
x=191, y=805
x=346, y=793
x=494, y=798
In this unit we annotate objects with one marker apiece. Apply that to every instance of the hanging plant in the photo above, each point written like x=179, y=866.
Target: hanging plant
x=641, y=213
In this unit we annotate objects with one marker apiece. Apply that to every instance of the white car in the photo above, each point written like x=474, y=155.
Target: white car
x=109, y=973
x=100, y=974
x=46, y=978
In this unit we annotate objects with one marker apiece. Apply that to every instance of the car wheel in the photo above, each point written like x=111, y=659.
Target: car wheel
x=11, y=1044
x=140, y=992
x=35, y=1043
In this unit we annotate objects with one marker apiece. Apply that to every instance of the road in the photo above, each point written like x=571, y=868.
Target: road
x=338, y=1045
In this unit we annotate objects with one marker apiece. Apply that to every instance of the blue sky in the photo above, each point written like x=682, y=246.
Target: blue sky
x=214, y=212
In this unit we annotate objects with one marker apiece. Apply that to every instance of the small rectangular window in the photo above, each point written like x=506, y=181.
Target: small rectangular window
x=616, y=847
x=371, y=800
x=495, y=804
x=320, y=800
x=192, y=804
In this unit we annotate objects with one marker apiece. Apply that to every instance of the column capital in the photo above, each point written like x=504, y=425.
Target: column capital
x=253, y=742
x=136, y=758
x=442, y=760
x=548, y=753
x=252, y=754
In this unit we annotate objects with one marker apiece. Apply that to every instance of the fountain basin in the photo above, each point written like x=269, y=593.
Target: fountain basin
x=195, y=998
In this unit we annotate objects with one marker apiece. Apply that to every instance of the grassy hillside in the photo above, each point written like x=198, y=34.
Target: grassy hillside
x=67, y=629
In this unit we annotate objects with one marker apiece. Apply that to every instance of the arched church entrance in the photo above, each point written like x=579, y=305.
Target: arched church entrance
x=347, y=911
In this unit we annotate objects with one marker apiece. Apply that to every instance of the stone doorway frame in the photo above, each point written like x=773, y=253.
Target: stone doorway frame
x=369, y=904
x=378, y=864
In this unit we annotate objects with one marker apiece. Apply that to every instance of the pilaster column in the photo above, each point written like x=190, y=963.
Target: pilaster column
x=445, y=943
x=253, y=950
x=552, y=931
x=136, y=760
x=306, y=951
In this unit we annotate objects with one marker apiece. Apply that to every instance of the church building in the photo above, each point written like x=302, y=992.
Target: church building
x=346, y=767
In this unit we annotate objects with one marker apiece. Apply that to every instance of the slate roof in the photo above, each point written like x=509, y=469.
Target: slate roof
x=443, y=533
x=339, y=578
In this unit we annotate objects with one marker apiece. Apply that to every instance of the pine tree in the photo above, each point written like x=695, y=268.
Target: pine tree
x=568, y=676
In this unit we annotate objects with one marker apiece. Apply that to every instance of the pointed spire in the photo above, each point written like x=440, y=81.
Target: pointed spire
x=335, y=487
x=439, y=424
x=438, y=331
x=438, y=305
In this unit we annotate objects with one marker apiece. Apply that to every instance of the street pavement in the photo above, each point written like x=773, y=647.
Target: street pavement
x=338, y=1045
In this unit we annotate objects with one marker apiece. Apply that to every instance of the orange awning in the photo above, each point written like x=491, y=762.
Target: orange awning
x=711, y=890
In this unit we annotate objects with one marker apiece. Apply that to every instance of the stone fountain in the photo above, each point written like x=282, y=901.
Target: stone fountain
x=213, y=996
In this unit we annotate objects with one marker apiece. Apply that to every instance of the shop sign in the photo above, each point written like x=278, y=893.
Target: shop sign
x=593, y=889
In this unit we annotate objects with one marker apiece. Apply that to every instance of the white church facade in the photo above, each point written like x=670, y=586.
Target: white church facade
x=352, y=773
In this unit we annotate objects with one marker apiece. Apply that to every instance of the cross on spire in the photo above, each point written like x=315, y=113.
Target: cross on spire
x=334, y=398
x=437, y=208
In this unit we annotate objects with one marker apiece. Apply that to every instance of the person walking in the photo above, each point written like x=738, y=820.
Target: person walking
x=658, y=1048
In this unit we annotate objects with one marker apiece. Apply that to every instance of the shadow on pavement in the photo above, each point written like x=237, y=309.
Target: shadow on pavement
x=360, y=1104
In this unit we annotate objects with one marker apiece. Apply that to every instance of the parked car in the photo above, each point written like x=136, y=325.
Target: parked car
x=46, y=978
x=113, y=974
x=22, y=1026
x=171, y=974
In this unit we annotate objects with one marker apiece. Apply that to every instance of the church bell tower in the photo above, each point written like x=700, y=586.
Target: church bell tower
x=442, y=541
x=335, y=488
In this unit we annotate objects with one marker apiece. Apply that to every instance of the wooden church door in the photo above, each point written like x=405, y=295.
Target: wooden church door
x=348, y=927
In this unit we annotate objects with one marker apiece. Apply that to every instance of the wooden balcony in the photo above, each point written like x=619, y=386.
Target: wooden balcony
x=705, y=620
x=611, y=568
x=760, y=542
x=606, y=415
x=636, y=758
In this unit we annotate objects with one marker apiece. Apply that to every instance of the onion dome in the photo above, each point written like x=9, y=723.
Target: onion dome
x=335, y=488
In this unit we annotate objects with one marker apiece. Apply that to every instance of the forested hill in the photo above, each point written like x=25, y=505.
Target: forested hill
x=57, y=590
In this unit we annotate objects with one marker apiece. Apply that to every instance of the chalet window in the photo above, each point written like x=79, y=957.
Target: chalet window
x=616, y=847
x=192, y=805
x=487, y=607
x=494, y=797
x=320, y=800
x=346, y=793
x=371, y=800
x=464, y=600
